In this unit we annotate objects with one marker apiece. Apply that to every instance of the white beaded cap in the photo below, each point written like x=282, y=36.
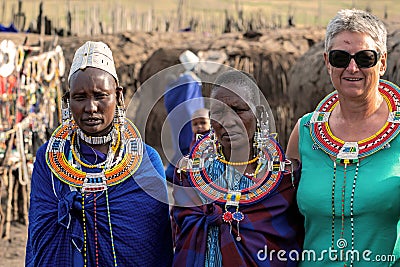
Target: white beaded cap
x=96, y=55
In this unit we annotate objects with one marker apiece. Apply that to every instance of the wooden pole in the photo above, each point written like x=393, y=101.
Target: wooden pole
x=113, y=20
x=149, y=21
x=15, y=193
x=25, y=204
x=121, y=18
x=180, y=16
x=4, y=173
x=11, y=180
x=3, y=16
x=129, y=17
x=42, y=29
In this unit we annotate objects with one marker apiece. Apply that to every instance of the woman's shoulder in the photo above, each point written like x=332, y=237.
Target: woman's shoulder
x=151, y=151
x=151, y=155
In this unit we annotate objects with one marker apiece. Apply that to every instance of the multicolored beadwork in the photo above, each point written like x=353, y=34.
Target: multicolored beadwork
x=111, y=151
x=323, y=137
x=110, y=173
x=342, y=208
x=227, y=217
x=238, y=216
x=68, y=173
x=201, y=180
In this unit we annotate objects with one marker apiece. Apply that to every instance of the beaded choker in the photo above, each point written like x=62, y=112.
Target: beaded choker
x=96, y=140
x=110, y=155
x=67, y=171
x=221, y=158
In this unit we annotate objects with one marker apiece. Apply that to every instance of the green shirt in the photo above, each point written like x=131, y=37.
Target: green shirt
x=376, y=209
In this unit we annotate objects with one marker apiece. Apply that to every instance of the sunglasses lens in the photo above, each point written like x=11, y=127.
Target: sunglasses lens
x=363, y=58
x=339, y=59
x=366, y=58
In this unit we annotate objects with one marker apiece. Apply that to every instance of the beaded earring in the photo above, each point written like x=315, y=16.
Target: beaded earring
x=120, y=114
x=261, y=135
x=211, y=146
x=66, y=111
x=213, y=138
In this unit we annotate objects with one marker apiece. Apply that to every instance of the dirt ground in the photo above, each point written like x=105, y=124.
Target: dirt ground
x=12, y=251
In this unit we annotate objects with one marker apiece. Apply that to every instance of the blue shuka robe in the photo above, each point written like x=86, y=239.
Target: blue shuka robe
x=181, y=99
x=138, y=209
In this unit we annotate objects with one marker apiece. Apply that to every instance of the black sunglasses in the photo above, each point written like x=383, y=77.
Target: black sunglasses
x=364, y=58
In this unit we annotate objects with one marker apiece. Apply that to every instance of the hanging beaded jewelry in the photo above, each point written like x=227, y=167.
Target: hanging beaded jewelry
x=233, y=199
x=351, y=152
x=111, y=231
x=200, y=179
x=84, y=231
x=204, y=152
x=110, y=156
x=262, y=134
x=66, y=114
x=341, y=242
x=95, y=231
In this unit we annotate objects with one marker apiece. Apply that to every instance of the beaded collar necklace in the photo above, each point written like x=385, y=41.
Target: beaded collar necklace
x=273, y=159
x=323, y=137
x=68, y=173
x=351, y=152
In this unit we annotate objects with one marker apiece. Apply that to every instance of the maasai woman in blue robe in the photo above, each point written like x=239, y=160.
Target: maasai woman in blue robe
x=98, y=194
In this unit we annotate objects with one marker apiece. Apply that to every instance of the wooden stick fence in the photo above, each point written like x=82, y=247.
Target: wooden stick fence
x=85, y=18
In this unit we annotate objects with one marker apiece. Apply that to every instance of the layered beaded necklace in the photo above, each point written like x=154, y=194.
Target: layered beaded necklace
x=109, y=162
x=112, y=171
x=347, y=153
x=67, y=171
x=203, y=169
